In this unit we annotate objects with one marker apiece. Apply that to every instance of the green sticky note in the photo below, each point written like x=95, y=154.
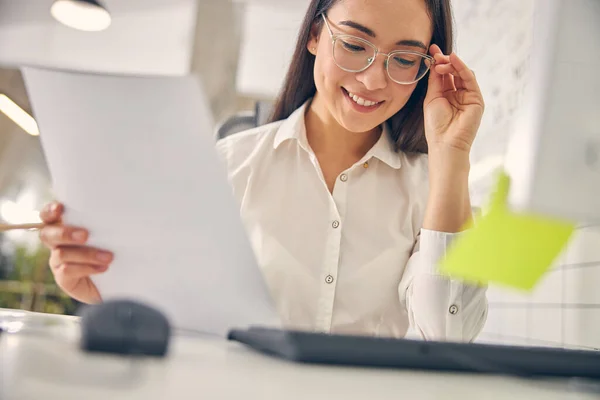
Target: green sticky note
x=507, y=248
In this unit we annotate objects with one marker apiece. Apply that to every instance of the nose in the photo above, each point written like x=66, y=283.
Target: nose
x=375, y=77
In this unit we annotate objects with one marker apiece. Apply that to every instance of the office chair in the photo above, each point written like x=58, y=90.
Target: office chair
x=245, y=120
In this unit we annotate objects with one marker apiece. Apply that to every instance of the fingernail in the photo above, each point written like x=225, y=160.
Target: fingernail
x=79, y=236
x=104, y=256
x=101, y=268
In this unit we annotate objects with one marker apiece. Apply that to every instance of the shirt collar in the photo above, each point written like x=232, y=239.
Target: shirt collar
x=385, y=149
x=294, y=127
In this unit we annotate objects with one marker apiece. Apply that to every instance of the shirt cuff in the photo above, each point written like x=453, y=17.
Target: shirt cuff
x=433, y=247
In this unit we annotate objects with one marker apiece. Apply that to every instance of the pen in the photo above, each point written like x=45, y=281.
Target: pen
x=11, y=227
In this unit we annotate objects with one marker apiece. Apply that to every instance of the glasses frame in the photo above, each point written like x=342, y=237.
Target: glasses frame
x=371, y=60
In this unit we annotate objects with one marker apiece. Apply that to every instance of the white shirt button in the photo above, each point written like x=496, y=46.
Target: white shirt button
x=453, y=309
x=329, y=279
x=335, y=224
x=343, y=177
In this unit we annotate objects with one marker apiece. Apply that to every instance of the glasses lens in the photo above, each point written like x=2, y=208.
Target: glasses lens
x=352, y=54
x=408, y=67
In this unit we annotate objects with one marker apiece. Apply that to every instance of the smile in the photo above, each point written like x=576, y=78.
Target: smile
x=360, y=103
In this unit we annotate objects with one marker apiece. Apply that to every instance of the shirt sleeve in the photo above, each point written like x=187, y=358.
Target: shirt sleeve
x=440, y=308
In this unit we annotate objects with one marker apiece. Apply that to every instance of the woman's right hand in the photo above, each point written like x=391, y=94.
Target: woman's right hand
x=71, y=261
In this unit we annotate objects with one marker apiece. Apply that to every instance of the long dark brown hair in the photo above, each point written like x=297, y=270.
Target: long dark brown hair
x=407, y=125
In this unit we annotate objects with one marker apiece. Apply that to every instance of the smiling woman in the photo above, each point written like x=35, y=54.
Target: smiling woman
x=411, y=25
x=347, y=215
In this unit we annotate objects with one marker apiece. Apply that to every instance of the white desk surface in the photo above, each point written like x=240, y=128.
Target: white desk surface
x=48, y=364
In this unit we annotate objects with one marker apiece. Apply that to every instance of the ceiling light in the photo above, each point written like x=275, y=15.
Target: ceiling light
x=84, y=15
x=18, y=115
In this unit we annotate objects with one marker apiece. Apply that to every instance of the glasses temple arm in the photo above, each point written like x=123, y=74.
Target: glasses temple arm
x=327, y=24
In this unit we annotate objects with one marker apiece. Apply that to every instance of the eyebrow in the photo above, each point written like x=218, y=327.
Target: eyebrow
x=367, y=31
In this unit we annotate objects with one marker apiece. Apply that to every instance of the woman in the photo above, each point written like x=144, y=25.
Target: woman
x=347, y=214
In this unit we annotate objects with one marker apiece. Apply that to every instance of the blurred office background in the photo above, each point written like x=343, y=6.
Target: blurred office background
x=240, y=50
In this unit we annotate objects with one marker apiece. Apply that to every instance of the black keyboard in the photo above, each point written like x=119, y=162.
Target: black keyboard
x=320, y=348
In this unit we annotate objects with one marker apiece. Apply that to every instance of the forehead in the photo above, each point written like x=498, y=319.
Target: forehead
x=391, y=20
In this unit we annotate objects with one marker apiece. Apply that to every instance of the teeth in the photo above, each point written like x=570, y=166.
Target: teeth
x=361, y=101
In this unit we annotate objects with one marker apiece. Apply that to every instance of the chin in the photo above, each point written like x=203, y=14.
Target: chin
x=357, y=123
x=359, y=127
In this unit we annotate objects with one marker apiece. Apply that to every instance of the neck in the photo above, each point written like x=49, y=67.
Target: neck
x=327, y=137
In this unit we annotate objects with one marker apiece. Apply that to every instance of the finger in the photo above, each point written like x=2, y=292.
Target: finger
x=460, y=85
x=449, y=83
x=444, y=69
x=440, y=58
x=435, y=86
x=435, y=49
x=80, y=255
x=82, y=290
x=61, y=235
x=52, y=213
x=437, y=54
x=70, y=272
x=466, y=74
x=449, y=70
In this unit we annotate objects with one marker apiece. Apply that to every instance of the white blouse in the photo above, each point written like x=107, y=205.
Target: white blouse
x=355, y=261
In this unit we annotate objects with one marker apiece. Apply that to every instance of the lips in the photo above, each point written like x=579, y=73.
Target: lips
x=361, y=104
x=362, y=100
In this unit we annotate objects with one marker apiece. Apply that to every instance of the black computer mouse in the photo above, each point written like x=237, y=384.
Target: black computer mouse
x=124, y=327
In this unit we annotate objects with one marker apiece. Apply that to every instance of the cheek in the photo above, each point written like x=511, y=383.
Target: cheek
x=400, y=96
x=329, y=77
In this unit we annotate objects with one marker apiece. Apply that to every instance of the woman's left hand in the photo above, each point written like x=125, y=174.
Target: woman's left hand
x=453, y=106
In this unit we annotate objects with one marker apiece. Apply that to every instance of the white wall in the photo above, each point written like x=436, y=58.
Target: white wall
x=563, y=310
x=146, y=37
x=494, y=38
x=268, y=40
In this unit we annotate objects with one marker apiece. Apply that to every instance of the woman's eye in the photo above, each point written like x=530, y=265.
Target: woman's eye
x=404, y=62
x=352, y=47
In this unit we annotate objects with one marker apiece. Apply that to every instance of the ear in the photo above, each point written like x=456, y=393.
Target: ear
x=313, y=40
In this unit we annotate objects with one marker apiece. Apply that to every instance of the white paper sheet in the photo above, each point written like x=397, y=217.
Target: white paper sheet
x=133, y=160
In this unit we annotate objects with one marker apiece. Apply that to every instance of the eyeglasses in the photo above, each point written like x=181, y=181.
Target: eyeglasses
x=354, y=54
